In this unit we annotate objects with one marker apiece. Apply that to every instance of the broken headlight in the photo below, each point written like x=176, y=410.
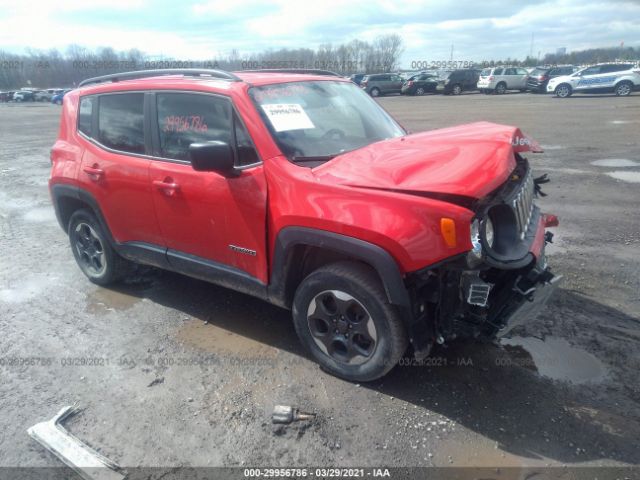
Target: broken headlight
x=476, y=249
x=488, y=232
x=476, y=237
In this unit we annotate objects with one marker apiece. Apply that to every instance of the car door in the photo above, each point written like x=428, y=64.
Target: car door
x=510, y=78
x=114, y=168
x=522, y=76
x=587, y=79
x=383, y=83
x=395, y=84
x=609, y=74
x=208, y=221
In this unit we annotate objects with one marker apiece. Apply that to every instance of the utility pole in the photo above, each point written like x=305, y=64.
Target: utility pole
x=531, y=49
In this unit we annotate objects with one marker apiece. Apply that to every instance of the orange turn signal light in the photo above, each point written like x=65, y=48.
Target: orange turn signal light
x=448, y=230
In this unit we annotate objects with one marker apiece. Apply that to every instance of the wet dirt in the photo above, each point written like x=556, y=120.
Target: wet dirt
x=556, y=359
x=212, y=338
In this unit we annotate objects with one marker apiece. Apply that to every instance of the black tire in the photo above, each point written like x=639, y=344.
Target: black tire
x=563, y=90
x=456, y=89
x=375, y=92
x=420, y=91
x=92, y=250
x=368, y=300
x=623, y=89
x=501, y=88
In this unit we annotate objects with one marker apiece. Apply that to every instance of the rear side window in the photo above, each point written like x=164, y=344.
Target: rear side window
x=614, y=68
x=185, y=118
x=85, y=115
x=498, y=71
x=121, y=122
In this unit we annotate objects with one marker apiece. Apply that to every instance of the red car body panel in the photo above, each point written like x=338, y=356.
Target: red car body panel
x=369, y=194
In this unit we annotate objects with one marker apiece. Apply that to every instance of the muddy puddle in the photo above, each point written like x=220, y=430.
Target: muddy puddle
x=104, y=300
x=556, y=358
x=214, y=339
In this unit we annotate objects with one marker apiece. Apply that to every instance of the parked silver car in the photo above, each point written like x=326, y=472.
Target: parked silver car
x=500, y=79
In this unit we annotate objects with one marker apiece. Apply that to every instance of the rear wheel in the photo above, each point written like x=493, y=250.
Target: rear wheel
x=623, y=89
x=501, y=88
x=375, y=92
x=420, y=91
x=342, y=316
x=563, y=90
x=92, y=250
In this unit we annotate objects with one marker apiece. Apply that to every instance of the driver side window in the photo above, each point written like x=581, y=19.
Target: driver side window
x=590, y=71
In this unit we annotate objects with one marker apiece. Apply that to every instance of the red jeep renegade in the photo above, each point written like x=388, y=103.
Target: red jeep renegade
x=296, y=187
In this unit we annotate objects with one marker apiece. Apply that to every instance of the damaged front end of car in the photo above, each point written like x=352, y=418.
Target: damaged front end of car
x=503, y=281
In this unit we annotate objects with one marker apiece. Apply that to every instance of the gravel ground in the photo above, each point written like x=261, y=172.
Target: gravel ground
x=174, y=372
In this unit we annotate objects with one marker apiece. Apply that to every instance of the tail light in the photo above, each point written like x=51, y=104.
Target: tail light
x=542, y=78
x=364, y=83
x=409, y=83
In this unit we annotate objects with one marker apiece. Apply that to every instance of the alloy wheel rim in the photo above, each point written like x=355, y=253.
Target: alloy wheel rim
x=456, y=90
x=420, y=91
x=341, y=327
x=563, y=91
x=623, y=89
x=90, y=249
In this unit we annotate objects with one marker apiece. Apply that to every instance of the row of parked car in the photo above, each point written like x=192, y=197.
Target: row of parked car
x=563, y=80
x=53, y=95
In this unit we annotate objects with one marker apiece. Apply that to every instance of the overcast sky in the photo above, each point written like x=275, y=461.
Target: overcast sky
x=200, y=29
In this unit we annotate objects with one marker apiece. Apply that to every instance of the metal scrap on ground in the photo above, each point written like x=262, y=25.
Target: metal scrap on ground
x=88, y=463
x=287, y=414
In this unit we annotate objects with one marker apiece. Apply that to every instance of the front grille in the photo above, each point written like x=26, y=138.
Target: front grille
x=522, y=204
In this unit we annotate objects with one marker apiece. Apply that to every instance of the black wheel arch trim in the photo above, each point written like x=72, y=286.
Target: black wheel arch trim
x=375, y=256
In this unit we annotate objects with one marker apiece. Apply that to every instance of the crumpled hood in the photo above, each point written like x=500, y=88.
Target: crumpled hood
x=469, y=160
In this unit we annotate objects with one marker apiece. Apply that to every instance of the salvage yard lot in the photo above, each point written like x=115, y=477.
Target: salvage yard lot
x=172, y=371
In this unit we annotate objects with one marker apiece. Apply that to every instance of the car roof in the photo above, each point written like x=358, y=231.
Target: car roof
x=182, y=82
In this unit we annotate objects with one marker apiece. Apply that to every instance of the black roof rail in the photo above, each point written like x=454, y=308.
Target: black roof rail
x=117, y=77
x=302, y=71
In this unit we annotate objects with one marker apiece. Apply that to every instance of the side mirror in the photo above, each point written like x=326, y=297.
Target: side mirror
x=214, y=156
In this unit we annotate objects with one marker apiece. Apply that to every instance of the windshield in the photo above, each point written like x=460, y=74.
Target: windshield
x=318, y=120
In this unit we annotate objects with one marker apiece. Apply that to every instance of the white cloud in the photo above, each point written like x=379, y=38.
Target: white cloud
x=202, y=28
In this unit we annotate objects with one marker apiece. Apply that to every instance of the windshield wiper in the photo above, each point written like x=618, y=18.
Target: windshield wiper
x=318, y=158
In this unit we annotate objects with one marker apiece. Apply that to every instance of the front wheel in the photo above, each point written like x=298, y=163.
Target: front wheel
x=341, y=314
x=456, y=90
x=563, y=90
x=92, y=250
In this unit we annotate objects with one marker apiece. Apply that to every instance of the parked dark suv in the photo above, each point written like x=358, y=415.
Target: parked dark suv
x=539, y=77
x=382, y=84
x=458, y=81
x=420, y=84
